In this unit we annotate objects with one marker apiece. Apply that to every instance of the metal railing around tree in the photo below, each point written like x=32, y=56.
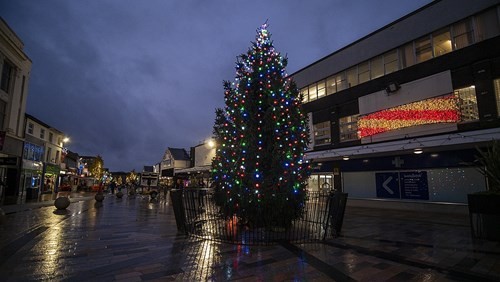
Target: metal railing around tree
x=197, y=214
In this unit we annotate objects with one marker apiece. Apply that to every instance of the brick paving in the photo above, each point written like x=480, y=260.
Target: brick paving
x=134, y=239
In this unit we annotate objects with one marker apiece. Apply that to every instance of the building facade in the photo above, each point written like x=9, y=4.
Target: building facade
x=198, y=172
x=173, y=159
x=16, y=67
x=397, y=115
x=43, y=154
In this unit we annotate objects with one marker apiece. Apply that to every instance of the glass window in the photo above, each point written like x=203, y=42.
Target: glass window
x=364, y=72
x=322, y=133
x=407, y=55
x=441, y=42
x=341, y=81
x=352, y=76
x=331, y=85
x=487, y=25
x=305, y=96
x=348, y=127
x=49, y=152
x=51, y=137
x=468, y=104
x=377, y=67
x=30, y=128
x=321, y=88
x=423, y=49
x=391, y=63
x=496, y=83
x=57, y=157
x=3, y=109
x=7, y=74
x=463, y=34
x=313, y=95
x=42, y=133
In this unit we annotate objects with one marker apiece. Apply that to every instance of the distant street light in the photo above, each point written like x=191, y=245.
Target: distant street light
x=66, y=139
x=211, y=144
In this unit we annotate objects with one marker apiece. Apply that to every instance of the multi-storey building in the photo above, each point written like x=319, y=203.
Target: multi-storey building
x=173, y=159
x=198, y=172
x=16, y=67
x=42, y=156
x=397, y=115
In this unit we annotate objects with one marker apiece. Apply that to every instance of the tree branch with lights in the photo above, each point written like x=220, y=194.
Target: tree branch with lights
x=262, y=134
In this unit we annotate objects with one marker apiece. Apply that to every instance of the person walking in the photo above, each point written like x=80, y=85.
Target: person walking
x=112, y=185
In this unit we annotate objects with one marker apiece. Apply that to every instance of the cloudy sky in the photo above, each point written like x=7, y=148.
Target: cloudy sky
x=125, y=79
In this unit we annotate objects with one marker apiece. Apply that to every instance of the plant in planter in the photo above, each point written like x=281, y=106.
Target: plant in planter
x=484, y=206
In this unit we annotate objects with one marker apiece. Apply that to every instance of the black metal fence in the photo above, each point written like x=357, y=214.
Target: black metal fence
x=197, y=214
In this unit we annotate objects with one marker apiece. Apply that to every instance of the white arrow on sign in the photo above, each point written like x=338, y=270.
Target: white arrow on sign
x=386, y=187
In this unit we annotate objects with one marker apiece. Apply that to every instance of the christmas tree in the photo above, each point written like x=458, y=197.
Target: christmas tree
x=262, y=133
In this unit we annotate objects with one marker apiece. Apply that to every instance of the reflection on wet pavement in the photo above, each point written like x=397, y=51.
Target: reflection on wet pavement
x=135, y=239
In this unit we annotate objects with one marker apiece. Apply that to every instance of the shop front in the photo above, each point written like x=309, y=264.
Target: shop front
x=31, y=179
x=49, y=179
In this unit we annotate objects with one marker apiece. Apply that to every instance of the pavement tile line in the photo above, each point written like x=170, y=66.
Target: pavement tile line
x=317, y=263
x=412, y=244
x=451, y=271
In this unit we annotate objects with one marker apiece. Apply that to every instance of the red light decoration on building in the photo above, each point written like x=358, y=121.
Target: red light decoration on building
x=435, y=110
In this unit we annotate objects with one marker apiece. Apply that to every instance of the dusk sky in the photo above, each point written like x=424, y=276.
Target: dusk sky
x=126, y=79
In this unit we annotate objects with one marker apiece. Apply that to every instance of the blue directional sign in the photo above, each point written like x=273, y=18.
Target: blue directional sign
x=388, y=185
x=414, y=185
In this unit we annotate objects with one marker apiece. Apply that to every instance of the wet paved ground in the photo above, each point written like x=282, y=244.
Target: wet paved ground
x=136, y=240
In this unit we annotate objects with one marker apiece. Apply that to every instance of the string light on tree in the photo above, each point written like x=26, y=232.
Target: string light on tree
x=263, y=135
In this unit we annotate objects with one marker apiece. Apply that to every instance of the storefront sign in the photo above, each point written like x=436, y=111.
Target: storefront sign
x=414, y=185
x=8, y=161
x=411, y=185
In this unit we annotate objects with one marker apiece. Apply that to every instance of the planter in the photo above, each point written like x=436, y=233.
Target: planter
x=484, y=214
x=99, y=197
x=62, y=203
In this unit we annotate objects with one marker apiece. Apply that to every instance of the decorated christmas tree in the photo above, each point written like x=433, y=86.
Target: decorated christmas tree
x=261, y=136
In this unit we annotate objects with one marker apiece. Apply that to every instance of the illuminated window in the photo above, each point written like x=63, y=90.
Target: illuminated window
x=364, y=72
x=496, y=82
x=408, y=55
x=391, y=63
x=441, y=42
x=305, y=96
x=487, y=25
x=322, y=133
x=377, y=67
x=331, y=85
x=463, y=35
x=321, y=88
x=320, y=182
x=352, y=76
x=313, y=94
x=468, y=103
x=348, y=127
x=341, y=81
x=423, y=49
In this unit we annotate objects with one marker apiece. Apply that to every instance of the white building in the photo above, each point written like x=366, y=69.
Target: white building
x=16, y=67
x=42, y=156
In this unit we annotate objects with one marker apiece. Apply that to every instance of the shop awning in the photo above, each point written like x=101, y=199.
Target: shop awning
x=196, y=169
